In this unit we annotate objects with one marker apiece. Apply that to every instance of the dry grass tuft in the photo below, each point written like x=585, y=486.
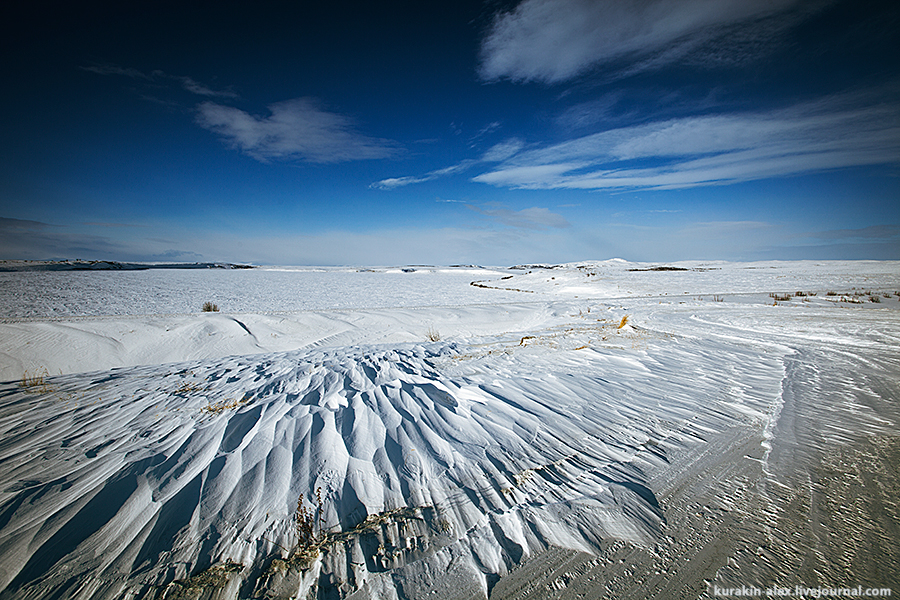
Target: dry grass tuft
x=623, y=322
x=216, y=577
x=432, y=335
x=308, y=521
x=37, y=382
x=222, y=406
x=210, y=307
x=188, y=388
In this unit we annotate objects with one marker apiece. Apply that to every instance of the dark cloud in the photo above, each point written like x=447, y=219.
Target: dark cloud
x=33, y=240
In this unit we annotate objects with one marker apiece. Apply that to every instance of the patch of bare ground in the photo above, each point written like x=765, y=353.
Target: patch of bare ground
x=815, y=504
x=832, y=514
x=705, y=495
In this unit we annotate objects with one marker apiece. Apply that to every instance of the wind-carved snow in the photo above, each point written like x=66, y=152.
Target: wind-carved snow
x=440, y=466
x=138, y=478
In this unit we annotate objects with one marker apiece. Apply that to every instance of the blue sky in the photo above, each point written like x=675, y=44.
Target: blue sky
x=484, y=132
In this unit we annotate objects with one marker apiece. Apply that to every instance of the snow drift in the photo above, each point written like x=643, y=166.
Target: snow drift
x=438, y=467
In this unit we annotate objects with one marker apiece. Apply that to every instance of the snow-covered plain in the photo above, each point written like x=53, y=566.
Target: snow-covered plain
x=597, y=429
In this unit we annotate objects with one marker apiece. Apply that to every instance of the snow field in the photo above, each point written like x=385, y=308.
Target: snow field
x=442, y=465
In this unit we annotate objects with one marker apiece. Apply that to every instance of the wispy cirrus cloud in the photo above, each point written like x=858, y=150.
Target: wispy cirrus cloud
x=298, y=129
x=195, y=87
x=555, y=40
x=188, y=84
x=496, y=153
x=109, y=69
x=396, y=182
x=503, y=150
x=837, y=132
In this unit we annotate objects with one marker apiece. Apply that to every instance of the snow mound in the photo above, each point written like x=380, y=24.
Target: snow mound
x=132, y=479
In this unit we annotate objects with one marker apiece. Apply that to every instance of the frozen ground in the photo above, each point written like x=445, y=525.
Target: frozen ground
x=544, y=447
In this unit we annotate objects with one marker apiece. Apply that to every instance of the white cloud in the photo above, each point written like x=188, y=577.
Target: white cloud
x=496, y=153
x=715, y=149
x=556, y=40
x=489, y=128
x=592, y=112
x=457, y=168
x=503, y=150
x=395, y=182
x=198, y=88
x=295, y=129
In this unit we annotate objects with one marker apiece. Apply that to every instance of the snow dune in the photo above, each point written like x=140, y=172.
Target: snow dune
x=168, y=459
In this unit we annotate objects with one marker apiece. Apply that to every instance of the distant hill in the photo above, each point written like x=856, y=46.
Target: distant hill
x=105, y=265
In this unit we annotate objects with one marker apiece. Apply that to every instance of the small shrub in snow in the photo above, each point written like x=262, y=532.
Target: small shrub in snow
x=210, y=307
x=36, y=383
x=432, y=335
x=307, y=522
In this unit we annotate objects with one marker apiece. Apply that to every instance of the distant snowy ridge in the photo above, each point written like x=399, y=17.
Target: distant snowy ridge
x=106, y=265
